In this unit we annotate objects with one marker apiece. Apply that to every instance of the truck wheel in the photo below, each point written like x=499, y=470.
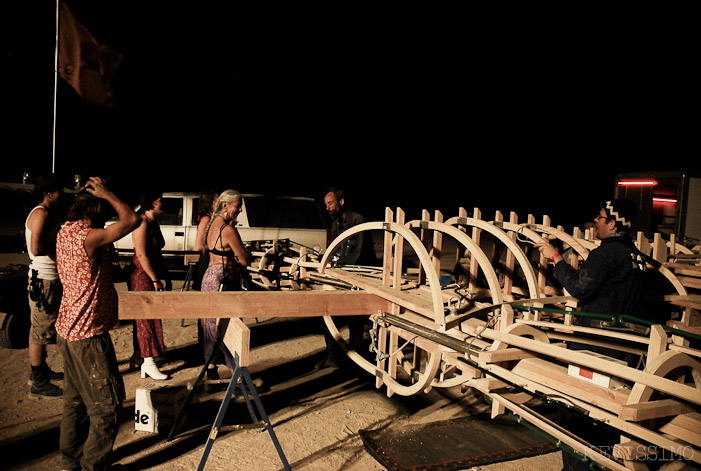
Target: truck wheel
x=14, y=333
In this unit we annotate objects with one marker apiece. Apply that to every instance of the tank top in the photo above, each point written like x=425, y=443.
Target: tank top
x=43, y=264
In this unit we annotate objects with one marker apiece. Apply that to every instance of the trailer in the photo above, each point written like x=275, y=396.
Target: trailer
x=668, y=203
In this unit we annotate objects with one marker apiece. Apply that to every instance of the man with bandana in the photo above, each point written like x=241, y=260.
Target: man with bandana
x=610, y=281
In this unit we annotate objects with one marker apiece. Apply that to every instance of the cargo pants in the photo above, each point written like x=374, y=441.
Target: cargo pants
x=93, y=392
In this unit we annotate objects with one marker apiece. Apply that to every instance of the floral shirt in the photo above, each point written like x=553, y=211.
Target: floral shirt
x=89, y=303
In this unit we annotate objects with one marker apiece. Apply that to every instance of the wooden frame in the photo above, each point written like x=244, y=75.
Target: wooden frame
x=518, y=346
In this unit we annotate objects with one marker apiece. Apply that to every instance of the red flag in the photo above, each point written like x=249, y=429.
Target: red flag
x=83, y=62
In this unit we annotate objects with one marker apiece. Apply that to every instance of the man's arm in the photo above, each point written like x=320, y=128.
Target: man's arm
x=582, y=283
x=586, y=282
x=128, y=219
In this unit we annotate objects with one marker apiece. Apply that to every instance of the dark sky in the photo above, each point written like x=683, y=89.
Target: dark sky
x=432, y=110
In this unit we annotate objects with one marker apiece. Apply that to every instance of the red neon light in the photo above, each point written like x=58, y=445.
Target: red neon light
x=637, y=183
x=665, y=200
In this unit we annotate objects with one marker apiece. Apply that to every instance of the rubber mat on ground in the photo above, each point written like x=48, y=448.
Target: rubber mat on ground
x=453, y=444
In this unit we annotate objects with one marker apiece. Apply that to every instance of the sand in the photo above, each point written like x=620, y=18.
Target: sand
x=316, y=414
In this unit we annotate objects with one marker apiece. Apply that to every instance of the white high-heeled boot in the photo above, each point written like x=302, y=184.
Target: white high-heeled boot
x=148, y=367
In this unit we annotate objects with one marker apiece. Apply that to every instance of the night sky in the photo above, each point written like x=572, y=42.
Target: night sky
x=412, y=109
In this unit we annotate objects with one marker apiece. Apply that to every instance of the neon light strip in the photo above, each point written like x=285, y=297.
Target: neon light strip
x=637, y=183
x=664, y=200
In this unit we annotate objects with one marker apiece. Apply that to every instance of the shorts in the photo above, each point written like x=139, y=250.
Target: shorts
x=44, y=311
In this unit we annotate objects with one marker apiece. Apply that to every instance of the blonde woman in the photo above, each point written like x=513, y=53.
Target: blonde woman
x=227, y=258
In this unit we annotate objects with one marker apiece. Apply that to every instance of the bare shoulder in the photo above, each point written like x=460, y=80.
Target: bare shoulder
x=37, y=216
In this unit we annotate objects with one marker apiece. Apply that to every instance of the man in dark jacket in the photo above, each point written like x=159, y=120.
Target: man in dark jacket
x=610, y=281
x=355, y=250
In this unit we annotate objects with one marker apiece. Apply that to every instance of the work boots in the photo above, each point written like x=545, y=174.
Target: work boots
x=41, y=385
x=53, y=375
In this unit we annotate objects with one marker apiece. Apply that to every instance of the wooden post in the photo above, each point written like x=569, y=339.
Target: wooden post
x=437, y=249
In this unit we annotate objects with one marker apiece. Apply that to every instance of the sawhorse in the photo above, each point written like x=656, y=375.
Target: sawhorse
x=236, y=338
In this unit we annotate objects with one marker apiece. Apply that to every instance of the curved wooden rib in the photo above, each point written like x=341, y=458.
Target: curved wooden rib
x=672, y=278
x=519, y=254
x=469, y=244
x=576, y=244
x=434, y=362
x=416, y=245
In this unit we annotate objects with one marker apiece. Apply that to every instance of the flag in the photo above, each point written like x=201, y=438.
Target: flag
x=85, y=63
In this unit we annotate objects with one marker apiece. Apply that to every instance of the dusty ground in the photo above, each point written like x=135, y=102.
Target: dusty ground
x=316, y=414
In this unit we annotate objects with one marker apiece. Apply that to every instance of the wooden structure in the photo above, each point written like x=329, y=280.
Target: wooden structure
x=502, y=327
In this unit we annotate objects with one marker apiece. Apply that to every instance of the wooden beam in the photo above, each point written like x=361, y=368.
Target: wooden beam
x=653, y=410
x=556, y=377
x=691, y=300
x=237, y=338
x=507, y=354
x=418, y=301
x=197, y=304
x=685, y=427
x=579, y=358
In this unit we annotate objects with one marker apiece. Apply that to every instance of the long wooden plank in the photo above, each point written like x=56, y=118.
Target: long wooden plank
x=599, y=414
x=653, y=410
x=418, y=301
x=689, y=281
x=197, y=304
x=556, y=376
x=684, y=269
x=557, y=432
x=579, y=358
x=686, y=427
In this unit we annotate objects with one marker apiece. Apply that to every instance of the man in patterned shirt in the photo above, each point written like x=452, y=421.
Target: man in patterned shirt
x=93, y=390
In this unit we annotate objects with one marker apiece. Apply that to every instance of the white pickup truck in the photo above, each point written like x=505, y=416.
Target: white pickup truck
x=297, y=219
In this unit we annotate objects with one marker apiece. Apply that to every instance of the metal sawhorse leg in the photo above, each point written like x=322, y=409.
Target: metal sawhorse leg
x=246, y=386
x=188, y=282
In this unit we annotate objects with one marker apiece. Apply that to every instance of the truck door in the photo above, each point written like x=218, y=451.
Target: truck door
x=172, y=224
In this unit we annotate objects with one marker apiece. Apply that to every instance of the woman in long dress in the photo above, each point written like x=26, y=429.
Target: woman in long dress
x=228, y=257
x=148, y=275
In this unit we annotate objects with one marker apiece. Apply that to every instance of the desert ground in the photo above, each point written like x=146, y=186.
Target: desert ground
x=316, y=413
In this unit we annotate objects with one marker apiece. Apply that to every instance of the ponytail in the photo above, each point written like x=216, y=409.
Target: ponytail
x=227, y=196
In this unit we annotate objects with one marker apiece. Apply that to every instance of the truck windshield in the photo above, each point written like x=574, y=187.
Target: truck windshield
x=172, y=212
x=270, y=211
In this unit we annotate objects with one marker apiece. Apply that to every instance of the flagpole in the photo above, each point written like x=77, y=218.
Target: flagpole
x=53, y=150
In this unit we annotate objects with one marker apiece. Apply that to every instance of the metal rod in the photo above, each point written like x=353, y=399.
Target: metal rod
x=429, y=334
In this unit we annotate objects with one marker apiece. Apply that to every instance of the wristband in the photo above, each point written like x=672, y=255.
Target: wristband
x=555, y=255
x=155, y=281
